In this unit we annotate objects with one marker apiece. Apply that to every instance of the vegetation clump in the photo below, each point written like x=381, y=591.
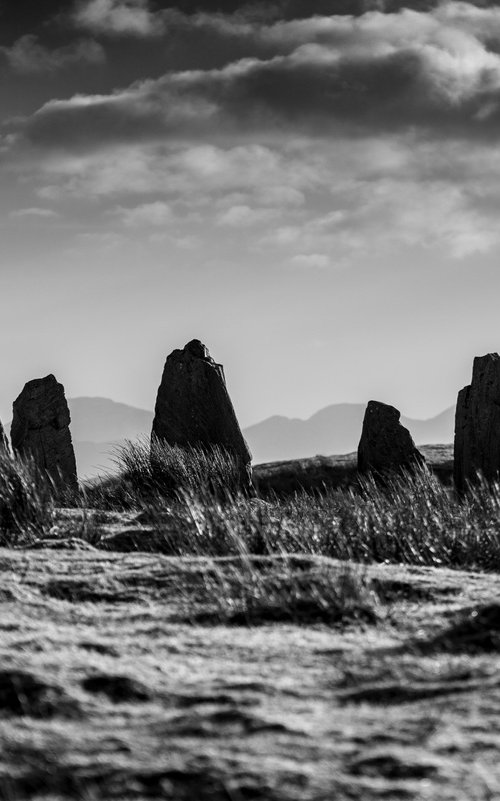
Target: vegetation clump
x=287, y=590
x=154, y=471
x=187, y=502
x=27, y=500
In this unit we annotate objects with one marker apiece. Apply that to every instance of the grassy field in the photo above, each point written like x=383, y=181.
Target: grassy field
x=161, y=643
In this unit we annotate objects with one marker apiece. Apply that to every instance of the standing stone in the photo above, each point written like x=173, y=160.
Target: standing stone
x=385, y=444
x=477, y=424
x=40, y=429
x=193, y=407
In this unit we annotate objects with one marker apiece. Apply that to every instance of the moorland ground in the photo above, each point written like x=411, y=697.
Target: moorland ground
x=199, y=646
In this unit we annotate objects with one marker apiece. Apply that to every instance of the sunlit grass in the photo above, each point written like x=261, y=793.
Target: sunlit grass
x=27, y=500
x=155, y=472
x=191, y=496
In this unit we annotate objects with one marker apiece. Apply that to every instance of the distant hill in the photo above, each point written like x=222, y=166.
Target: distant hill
x=99, y=426
x=103, y=420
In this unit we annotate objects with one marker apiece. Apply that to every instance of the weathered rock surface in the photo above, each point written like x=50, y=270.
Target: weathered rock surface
x=193, y=407
x=40, y=428
x=385, y=444
x=477, y=424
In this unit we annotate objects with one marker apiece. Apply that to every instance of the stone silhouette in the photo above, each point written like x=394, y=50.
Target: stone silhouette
x=40, y=429
x=477, y=424
x=385, y=444
x=193, y=407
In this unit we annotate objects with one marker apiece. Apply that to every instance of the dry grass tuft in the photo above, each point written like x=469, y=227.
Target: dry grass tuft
x=27, y=500
x=153, y=471
x=252, y=592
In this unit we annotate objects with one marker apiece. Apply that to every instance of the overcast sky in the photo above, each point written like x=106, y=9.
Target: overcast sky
x=311, y=187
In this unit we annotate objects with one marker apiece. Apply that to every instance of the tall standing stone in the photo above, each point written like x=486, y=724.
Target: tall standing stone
x=385, y=444
x=40, y=429
x=193, y=407
x=477, y=424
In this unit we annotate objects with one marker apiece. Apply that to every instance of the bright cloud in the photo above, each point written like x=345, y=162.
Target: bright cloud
x=377, y=73
x=327, y=135
x=148, y=214
x=118, y=17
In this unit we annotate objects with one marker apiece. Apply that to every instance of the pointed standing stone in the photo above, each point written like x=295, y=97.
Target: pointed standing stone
x=40, y=428
x=193, y=407
x=385, y=444
x=477, y=424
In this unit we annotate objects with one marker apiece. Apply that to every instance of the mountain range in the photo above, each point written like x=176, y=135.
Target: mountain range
x=100, y=426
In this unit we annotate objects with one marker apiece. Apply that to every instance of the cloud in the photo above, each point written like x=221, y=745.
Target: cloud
x=34, y=212
x=148, y=214
x=244, y=216
x=393, y=211
x=191, y=173
x=28, y=55
x=377, y=73
x=118, y=18
x=314, y=261
x=361, y=195
x=336, y=136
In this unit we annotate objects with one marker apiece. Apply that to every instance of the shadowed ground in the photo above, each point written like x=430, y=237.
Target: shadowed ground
x=127, y=676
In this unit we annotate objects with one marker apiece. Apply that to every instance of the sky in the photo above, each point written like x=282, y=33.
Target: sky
x=310, y=187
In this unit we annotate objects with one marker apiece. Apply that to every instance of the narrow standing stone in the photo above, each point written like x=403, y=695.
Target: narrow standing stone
x=477, y=424
x=40, y=429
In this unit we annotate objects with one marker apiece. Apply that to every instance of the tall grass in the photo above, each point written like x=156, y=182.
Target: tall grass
x=27, y=500
x=189, y=497
x=156, y=472
x=413, y=519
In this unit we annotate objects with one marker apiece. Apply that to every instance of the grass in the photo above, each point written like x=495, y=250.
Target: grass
x=27, y=500
x=152, y=471
x=252, y=591
x=192, y=504
x=250, y=655
x=189, y=500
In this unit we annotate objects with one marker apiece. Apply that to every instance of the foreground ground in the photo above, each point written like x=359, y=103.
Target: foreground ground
x=134, y=676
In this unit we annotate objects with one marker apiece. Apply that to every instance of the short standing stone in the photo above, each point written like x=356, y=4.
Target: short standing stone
x=385, y=444
x=40, y=429
x=193, y=407
x=477, y=424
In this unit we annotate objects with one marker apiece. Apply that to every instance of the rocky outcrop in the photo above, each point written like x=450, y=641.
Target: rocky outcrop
x=477, y=424
x=40, y=429
x=193, y=407
x=385, y=444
